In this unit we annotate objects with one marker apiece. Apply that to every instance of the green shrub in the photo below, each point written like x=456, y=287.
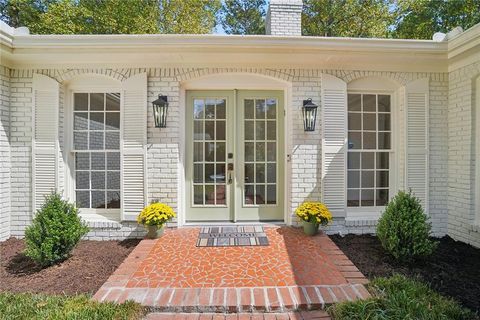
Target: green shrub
x=398, y=297
x=55, y=231
x=404, y=230
x=21, y=306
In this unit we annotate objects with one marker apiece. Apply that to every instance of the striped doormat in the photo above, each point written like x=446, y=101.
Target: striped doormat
x=232, y=236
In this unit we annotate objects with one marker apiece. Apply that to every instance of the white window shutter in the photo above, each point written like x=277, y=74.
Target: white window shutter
x=334, y=136
x=417, y=105
x=46, y=93
x=134, y=115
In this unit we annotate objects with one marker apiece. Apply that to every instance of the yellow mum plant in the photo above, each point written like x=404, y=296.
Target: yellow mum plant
x=155, y=214
x=314, y=212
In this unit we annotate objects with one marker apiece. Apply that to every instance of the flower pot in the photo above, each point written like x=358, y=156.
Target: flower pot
x=310, y=228
x=155, y=232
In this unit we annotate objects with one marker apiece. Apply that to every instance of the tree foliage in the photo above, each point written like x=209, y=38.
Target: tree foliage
x=420, y=19
x=346, y=18
x=188, y=16
x=243, y=16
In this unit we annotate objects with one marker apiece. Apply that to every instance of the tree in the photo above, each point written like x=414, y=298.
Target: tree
x=243, y=16
x=420, y=19
x=188, y=16
x=17, y=13
x=346, y=18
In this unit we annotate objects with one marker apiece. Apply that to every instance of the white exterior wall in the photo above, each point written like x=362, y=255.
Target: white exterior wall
x=164, y=167
x=4, y=153
x=461, y=150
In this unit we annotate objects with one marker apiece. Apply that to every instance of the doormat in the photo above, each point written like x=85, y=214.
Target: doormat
x=232, y=236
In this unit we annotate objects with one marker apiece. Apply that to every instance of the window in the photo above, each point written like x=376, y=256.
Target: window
x=369, y=147
x=96, y=140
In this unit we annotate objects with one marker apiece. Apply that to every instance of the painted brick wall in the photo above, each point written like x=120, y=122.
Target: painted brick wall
x=461, y=147
x=4, y=153
x=284, y=18
x=163, y=153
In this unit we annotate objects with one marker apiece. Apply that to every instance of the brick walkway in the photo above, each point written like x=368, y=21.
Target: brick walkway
x=303, y=315
x=294, y=272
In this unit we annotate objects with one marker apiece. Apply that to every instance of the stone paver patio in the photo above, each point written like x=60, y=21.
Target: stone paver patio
x=294, y=272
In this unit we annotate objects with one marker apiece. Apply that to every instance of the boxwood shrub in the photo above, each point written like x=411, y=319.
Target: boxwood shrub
x=55, y=231
x=404, y=229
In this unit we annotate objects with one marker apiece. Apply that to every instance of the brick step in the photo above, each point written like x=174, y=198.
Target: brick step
x=299, y=315
x=234, y=300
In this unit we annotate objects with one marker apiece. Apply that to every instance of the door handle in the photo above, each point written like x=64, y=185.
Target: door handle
x=230, y=173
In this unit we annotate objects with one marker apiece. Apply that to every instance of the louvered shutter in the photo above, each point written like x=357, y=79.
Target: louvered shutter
x=45, y=138
x=416, y=101
x=134, y=115
x=334, y=127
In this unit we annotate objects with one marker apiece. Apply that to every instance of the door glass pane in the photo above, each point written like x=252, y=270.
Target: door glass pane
x=271, y=108
x=260, y=109
x=209, y=152
x=271, y=130
x=249, y=173
x=259, y=194
x=271, y=173
x=271, y=194
x=249, y=130
x=249, y=109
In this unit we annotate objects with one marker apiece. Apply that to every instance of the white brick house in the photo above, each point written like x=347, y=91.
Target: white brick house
x=76, y=116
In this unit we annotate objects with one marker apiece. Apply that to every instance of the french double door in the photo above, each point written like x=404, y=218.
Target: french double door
x=234, y=156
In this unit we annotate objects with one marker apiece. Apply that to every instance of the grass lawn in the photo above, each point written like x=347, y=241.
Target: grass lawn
x=399, y=297
x=37, y=306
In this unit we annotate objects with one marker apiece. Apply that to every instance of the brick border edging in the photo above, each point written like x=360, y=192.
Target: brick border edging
x=233, y=300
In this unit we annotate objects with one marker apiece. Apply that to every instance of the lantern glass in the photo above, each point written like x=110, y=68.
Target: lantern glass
x=160, y=108
x=309, y=115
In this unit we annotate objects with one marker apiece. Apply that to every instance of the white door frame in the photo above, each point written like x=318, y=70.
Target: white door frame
x=232, y=81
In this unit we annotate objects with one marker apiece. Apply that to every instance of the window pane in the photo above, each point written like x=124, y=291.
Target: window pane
x=221, y=108
x=382, y=160
x=209, y=172
x=96, y=141
x=80, y=121
x=198, y=109
x=80, y=140
x=271, y=194
x=382, y=179
x=249, y=130
x=353, y=198
x=82, y=180
x=198, y=195
x=198, y=173
x=354, y=160
x=260, y=194
x=368, y=179
x=112, y=141
x=260, y=173
x=210, y=151
x=369, y=121
x=383, y=103
x=271, y=130
x=210, y=195
x=220, y=133
x=384, y=122
x=83, y=199
x=369, y=140
x=220, y=151
x=382, y=197
x=249, y=194
x=367, y=198
x=198, y=130
x=98, y=160
x=249, y=109
x=369, y=103
x=271, y=108
x=98, y=179
x=354, y=140
x=260, y=109
x=384, y=140
x=98, y=199
x=113, y=199
x=82, y=161
x=97, y=102
x=271, y=151
x=249, y=173
x=260, y=130
x=368, y=160
x=112, y=121
x=113, y=180
x=96, y=121
x=353, y=179
x=113, y=101
x=354, y=121
x=220, y=173
x=80, y=101
x=354, y=102
x=210, y=109
x=197, y=151
x=113, y=160
x=209, y=130
x=260, y=151
x=271, y=173
x=249, y=151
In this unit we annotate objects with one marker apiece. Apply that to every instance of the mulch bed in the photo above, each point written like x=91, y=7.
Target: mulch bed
x=453, y=270
x=90, y=265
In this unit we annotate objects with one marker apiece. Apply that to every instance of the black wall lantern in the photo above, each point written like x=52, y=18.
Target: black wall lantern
x=309, y=115
x=160, y=108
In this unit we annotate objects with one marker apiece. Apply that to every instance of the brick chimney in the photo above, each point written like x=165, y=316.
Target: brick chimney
x=284, y=18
